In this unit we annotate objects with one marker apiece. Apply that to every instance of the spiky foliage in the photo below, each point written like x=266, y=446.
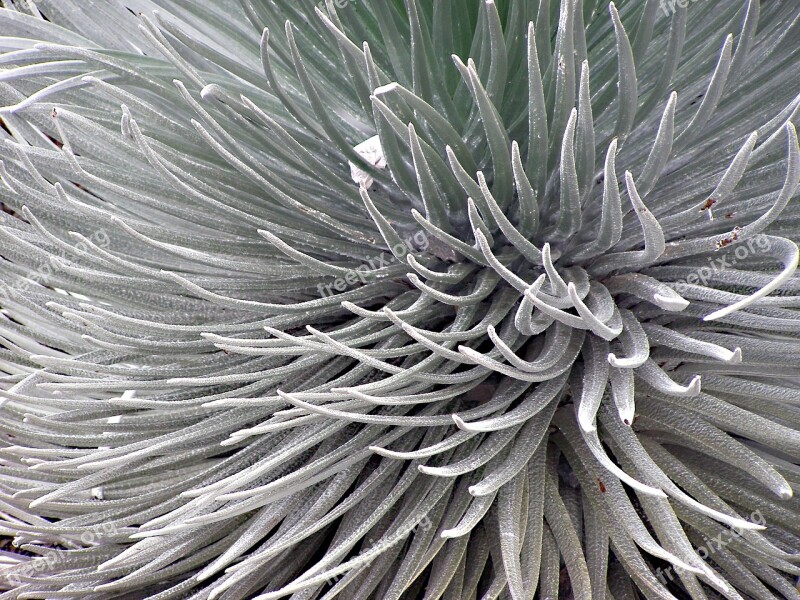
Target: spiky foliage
x=231, y=372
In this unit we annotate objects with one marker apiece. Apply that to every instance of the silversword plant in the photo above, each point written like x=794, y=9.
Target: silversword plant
x=559, y=391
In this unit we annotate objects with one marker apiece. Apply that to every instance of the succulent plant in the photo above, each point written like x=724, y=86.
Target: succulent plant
x=399, y=299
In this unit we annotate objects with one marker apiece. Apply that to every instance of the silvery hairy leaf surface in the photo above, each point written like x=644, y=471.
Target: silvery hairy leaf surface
x=399, y=299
